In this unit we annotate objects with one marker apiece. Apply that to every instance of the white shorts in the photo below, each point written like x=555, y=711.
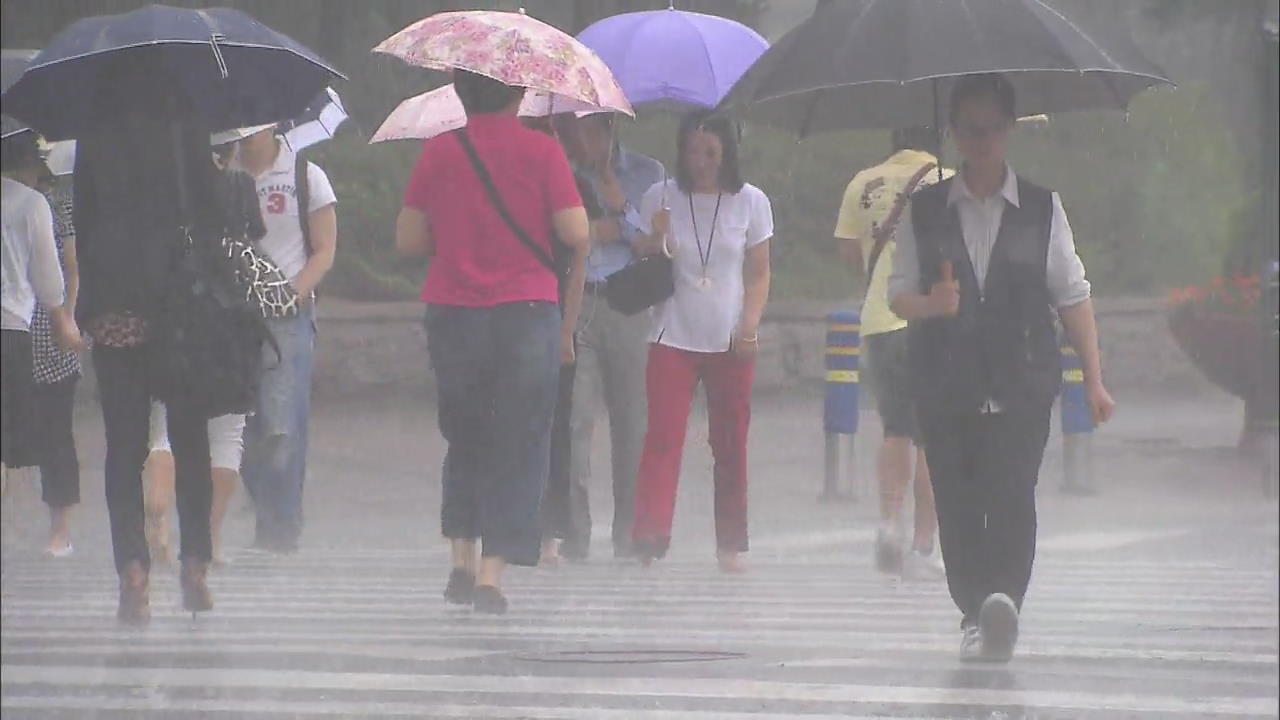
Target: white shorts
x=226, y=437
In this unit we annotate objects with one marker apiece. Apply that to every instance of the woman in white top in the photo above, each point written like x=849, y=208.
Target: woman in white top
x=717, y=229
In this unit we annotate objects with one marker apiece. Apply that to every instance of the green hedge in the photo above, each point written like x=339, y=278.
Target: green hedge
x=1155, y=198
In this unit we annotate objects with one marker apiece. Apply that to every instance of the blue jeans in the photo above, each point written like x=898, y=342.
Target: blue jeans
x=275, y=435
x=497, y=373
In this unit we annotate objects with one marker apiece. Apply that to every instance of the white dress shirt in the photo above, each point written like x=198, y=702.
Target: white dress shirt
x=980, y=223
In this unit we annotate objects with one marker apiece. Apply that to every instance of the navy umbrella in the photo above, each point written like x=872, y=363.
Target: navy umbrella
x=885, y=63
x=12, y=64
x=217, y=64
x=317, y=123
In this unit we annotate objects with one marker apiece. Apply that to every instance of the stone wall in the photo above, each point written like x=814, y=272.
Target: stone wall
x=364, y=347
x=370, y=348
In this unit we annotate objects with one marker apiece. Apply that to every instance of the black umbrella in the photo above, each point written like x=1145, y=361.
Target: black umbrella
x=12, y=64
x=886, y=63
x=217, y=64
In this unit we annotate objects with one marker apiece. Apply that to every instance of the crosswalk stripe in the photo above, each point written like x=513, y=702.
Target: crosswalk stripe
x=1125, y=637
x=697, y=688
x=418, y=710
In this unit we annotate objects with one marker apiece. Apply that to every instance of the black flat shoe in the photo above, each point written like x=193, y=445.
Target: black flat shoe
x=461, y=588
x=489, y=600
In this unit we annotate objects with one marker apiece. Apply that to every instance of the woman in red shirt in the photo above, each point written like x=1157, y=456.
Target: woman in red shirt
x=495, y=332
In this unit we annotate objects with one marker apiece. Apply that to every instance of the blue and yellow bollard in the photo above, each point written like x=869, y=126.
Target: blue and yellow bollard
x=840, y=407
x=1077, y=426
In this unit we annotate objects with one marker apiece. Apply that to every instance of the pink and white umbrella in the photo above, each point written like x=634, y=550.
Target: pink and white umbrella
x=440, y=111
x=512, y=48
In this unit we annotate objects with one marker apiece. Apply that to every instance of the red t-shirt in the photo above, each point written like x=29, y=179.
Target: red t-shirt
x=479, y=262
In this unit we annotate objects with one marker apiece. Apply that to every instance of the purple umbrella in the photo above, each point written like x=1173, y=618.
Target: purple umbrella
x=674, y=58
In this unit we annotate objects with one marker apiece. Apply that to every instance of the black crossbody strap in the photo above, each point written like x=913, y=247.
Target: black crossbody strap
x=487, y=180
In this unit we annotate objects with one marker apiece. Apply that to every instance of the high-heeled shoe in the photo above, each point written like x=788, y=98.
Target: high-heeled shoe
x=135, y=603
x=196, y=597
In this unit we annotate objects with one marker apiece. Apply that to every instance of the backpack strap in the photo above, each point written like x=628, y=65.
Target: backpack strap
x=496, y=199
x=884, y=233
x=302, y=190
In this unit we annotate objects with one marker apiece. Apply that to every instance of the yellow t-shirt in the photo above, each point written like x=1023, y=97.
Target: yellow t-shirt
x=868, y=200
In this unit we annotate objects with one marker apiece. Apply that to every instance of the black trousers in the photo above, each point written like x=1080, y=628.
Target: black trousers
x=126, y=414
x=557, y=502
x=59, y=465
x=17, y=400
x=984, y=470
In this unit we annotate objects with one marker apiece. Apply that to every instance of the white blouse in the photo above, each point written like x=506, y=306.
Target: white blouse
x=705, y=311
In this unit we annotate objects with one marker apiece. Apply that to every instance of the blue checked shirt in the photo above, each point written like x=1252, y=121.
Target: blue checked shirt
x=636, y=173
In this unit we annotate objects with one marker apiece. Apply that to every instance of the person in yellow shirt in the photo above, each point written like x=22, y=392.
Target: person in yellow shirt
x=874, y=203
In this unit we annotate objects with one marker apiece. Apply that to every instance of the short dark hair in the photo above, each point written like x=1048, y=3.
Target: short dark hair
x=20, y=151
x=722, y=127
x=916, y=137
x=480, y=94
x=994, y=87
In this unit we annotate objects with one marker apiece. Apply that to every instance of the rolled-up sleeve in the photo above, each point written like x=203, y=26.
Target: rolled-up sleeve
x=905, y=277
x=1065, y=272
x=45, y=270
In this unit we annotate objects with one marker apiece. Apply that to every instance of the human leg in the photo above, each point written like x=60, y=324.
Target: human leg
x=672, y=376
x=728, y=380
x=226, y=448
x=276, y=437
x=126, y=407
x=950, y=450
x=526, y=348
x=59, y=464
x=623, y=378
x=157, y=475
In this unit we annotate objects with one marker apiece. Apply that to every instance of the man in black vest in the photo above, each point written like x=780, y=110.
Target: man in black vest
x=983, y=261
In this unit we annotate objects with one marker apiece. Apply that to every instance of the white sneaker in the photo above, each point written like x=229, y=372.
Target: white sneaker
x=923, y=566
x=998, y=620
x=971, y=645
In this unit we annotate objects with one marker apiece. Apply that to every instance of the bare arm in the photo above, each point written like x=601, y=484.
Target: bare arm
x=413, y=234
x=851, y=252
x=323, y=224
x=756, y=275
x=71, y=274
x=1082, y=330
x=573, y=229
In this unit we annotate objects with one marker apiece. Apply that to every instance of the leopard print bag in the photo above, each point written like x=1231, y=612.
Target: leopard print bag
x=261, y=281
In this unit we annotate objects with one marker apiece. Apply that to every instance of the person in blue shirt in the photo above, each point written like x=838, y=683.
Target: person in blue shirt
x=612, y=348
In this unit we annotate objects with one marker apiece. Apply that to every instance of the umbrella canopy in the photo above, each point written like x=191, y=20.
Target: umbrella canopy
x=440, y=111
x=222, y=65
x=317, y=123
x=512, y=48
x=674, y=58
x=885, y=63
x=12, y=64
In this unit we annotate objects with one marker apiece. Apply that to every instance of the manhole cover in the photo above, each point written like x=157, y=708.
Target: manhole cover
x=630, y=657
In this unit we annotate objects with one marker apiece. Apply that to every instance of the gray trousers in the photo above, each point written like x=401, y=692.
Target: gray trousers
x=612, y=354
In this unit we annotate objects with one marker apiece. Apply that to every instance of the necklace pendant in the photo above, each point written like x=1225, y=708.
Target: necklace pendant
x=704, y=283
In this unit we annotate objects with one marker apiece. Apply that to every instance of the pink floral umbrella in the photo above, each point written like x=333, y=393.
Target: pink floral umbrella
x=440, y=111
x=512, y=48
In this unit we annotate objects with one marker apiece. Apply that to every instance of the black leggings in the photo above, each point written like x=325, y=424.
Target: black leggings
x=126, y=414
x=59, y=465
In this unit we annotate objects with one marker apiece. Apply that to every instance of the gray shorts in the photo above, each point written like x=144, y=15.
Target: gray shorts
x=889, y=375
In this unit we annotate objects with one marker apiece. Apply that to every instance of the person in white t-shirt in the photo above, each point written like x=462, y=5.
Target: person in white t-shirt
x=275, y=439
x=31, y=274
x=718, y=230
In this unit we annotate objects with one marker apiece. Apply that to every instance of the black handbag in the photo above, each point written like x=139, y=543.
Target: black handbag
x=639, y=286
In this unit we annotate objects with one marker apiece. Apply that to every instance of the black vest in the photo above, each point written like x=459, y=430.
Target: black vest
x=1003, y=343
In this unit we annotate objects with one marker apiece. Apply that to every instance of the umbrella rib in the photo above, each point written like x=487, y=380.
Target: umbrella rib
x=1081, y=33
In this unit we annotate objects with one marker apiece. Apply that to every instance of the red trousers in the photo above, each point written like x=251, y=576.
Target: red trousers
x=672, y=377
